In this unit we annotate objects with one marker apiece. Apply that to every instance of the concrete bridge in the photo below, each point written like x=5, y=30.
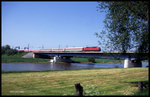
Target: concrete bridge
x=65, y=56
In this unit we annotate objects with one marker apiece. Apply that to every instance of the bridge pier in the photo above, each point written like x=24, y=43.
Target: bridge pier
x=61, y=59
x=128, y=63
x=35, y=55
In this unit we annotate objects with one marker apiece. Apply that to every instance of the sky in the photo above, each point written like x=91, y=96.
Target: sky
x=50, y=24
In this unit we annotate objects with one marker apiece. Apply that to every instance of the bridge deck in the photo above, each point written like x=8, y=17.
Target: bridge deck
x=91, y=54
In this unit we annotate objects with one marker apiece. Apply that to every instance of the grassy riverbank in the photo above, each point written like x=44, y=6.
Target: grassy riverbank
x=18, y=59
x=94, y=82
x=97, y=60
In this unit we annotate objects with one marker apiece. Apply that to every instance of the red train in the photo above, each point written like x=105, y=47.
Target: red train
x=80, y=49
x=91, y=49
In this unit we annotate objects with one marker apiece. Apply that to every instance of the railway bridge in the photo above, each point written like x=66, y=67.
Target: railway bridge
x=65, y=56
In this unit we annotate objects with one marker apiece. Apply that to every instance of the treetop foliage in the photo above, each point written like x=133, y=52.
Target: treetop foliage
x=8, y=50
x=126, y=25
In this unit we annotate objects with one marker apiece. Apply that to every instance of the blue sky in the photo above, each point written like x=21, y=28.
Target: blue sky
x=50, y=24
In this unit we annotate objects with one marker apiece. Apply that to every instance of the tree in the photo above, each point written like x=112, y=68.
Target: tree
x=91, y=59
x=8, y=51
x=126, y=25
x=7, y=47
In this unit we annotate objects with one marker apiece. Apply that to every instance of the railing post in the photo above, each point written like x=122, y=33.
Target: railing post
x=79, y=89
x=140, y=86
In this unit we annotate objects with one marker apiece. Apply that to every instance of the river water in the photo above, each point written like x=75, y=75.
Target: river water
x=62, y=66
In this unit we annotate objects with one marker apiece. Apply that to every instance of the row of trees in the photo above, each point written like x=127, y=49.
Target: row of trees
x=7, y=50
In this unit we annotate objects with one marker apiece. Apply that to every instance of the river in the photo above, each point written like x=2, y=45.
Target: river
x=62, y=66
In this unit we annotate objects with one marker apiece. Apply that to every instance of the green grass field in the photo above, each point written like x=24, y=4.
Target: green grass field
x=97, y=60
x=18, y=59
x=94, y=82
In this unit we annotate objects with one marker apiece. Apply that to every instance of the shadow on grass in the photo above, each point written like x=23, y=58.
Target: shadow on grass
x=145, y=87
x=145, y=92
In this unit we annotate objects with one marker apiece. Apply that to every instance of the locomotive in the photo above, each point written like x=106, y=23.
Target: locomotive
x=79, y=49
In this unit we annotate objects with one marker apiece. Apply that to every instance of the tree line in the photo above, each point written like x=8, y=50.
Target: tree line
x=7, y=50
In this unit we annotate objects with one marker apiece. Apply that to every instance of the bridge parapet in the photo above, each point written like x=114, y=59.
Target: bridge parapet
x=35, y=55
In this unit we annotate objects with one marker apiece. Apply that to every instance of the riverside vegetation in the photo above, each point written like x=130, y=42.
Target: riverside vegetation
x=17, y=58
x=116, y=81
x=10, y=55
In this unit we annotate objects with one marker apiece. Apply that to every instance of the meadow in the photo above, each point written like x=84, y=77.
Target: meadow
x=97, y=60
x=116, y=81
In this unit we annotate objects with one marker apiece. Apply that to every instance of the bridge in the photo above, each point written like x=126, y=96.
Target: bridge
x=65, y=56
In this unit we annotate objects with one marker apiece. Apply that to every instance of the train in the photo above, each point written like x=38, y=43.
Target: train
x=78, y=49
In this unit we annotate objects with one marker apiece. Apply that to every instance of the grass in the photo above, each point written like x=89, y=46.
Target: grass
x=97, y=60
x=59, y=83
x=143, y=93
x=18, y=59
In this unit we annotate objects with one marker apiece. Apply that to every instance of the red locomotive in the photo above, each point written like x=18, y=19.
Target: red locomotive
x=91, y=49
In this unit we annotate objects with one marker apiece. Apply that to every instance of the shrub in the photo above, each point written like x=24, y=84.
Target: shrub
x=8, y=51
x=116, y=66
x=91, y=59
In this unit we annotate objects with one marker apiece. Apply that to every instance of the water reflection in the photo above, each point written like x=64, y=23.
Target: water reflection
x=60, y=66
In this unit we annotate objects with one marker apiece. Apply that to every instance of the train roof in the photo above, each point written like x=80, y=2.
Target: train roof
x=74, y=47
x=91, y=47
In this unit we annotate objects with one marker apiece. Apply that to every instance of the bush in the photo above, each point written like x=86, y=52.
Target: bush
x=91, y=59
x=116, y=66
x=11, y=52
x=8, y=51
